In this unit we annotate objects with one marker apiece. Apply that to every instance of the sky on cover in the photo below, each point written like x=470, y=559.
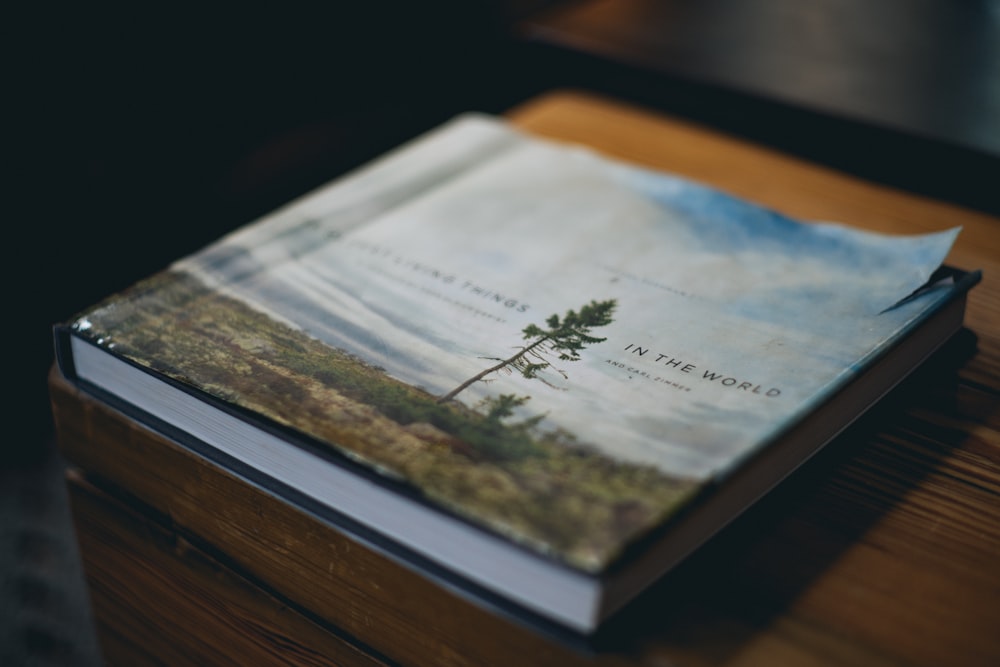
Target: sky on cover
x=729, y=319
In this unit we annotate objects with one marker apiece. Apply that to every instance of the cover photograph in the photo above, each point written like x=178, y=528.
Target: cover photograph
x=557, y=348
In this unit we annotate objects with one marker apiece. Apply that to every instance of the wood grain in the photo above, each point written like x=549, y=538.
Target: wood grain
x=159, y=599
x=882, y=550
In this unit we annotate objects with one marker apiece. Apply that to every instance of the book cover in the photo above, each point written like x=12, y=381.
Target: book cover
x=556, y=347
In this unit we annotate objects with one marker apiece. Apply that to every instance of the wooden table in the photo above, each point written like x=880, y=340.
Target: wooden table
x=883, y=550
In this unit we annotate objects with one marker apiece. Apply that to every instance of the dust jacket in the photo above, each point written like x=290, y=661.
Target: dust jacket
x=535, y=374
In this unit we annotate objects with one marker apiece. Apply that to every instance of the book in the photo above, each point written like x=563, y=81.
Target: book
x=532, y=373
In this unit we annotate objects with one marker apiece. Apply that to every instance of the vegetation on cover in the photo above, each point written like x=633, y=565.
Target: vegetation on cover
x=542, y=489
x=564, y=337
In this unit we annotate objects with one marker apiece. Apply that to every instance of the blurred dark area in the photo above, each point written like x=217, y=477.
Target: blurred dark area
x=149, y=132
x=901, y=92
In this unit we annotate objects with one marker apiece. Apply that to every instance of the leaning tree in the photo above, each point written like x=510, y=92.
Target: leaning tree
x=562, y=337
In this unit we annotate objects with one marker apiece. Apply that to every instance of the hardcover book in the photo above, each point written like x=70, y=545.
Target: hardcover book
x=537, y=375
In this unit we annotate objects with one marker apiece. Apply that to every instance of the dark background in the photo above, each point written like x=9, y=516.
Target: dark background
x=143, y=134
